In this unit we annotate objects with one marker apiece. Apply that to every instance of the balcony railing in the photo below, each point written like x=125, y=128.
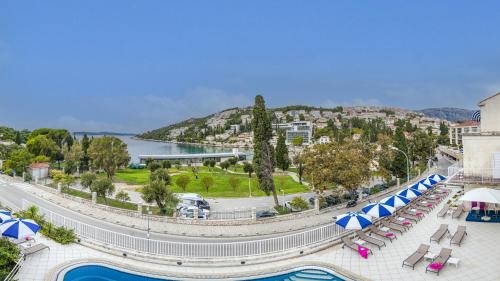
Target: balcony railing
x=474, y=175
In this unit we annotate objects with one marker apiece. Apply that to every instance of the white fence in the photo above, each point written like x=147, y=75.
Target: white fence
x=125, y=242
x=475, y=176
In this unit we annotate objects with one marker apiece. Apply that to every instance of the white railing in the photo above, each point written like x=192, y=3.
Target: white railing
x=476, y=176
x=12, y=274
x=126, y=242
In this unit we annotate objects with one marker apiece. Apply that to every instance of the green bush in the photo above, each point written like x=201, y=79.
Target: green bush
x=374, y=190
x=282, y=210
x=9, y=254
x=299, y=203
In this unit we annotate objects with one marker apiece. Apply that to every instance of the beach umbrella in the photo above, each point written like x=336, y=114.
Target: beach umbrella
x=19, y=228
x=419, y=186
x=428, y=181
x=409, y=193
x=395, y=201
x=353, y=220
x=437, y=177
x=378, y=210
x=4, y=215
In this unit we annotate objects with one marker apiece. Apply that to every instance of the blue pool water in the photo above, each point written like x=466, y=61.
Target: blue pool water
x=103, y=273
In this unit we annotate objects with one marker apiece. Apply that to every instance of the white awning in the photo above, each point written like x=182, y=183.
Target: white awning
x=487, y=195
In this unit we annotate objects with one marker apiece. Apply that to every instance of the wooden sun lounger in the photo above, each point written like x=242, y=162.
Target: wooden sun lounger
x=409, y=216
x=458, y=236
x=439, y=234
x=417, y=256
x=371, y=240
x=458, y=212
x=34, y=249
x=442, y=258
x=393, y=226
x=351, y=245
x=381, y=233
x=400, y=223
x=443, y=211
x=421, y=208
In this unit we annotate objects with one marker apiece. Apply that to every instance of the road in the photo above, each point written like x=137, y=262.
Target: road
x=14, y=193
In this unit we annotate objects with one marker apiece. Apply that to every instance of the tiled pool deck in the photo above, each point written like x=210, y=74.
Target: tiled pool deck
x=479, y=256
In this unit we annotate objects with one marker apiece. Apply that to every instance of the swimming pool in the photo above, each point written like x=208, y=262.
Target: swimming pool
x=104, y=273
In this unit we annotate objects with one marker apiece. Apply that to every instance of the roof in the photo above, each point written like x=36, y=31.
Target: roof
x=192, y=156
x=39, y=165
x=482, y=102
x=468, y=123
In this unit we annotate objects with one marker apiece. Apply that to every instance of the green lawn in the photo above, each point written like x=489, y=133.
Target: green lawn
x=221, y=187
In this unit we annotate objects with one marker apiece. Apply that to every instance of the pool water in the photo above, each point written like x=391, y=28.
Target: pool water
x=103, y=273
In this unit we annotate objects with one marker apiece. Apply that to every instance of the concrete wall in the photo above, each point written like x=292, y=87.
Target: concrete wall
x=490, y=115
x=478, y=154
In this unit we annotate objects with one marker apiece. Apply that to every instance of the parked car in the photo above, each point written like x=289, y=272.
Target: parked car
x=188, y=212
x=193, y=199
x=265, y=214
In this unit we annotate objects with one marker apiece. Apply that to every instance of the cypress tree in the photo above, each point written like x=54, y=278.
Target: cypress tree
x=399, y=163
x=262, y=150
x=282, y=160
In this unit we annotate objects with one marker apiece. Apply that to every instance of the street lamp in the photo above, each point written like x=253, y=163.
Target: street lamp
x=149, y=214
x=249, y=187
x=407, y=162
x=283, y=192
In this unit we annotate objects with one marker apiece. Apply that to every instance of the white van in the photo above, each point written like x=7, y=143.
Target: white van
x=192, y=199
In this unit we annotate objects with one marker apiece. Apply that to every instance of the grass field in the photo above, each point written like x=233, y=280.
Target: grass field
x=221, y=187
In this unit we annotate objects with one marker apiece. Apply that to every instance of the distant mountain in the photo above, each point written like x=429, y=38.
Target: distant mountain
x=449, y=113
x=104, y=133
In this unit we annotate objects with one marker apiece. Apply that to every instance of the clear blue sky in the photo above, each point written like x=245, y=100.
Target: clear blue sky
x=137, y=65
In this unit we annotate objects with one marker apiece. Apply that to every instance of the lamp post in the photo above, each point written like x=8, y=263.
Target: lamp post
x=249, y=187
x=148, y=234
x=407, y=163
x=283, y=192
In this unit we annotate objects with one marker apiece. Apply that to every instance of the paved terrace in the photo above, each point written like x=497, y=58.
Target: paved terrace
x=479, y=256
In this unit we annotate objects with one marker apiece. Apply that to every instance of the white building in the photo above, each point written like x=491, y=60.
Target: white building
x=295, y=129
x=482, y=150
x=235, y=128
x=39, y=171
x=457, y=131
x=324, y=140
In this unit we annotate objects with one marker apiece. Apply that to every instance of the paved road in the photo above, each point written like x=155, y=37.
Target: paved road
x=15, y=192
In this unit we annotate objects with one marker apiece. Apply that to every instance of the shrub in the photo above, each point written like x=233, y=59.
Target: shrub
x=9, y=254
x=374, y=190
x=299, y=203
x=282, y=210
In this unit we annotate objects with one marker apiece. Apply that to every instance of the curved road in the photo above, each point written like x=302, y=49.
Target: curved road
x=13, y=193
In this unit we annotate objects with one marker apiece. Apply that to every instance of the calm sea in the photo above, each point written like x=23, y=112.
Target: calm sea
x=137, y=147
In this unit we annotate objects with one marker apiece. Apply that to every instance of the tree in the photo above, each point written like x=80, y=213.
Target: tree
x=207, y=182
x=177, y=164
x=103, y=187
x=86, y=179
x=73, y=157
x=182, y=181
x=298, y=141
x=299, y=163
x=224, y=165
x=232, y=161
x=212, y=164
x=421, y=145
x=18, y=139
x=248, y=168
x=85, y=147
x=399, y=164
x=336, y=164
x=263, y=152
x=40, y=159
x=234, y=182
x=18, y=161
x=122, y=196
x=158, y=191
x=443, y=134
x=153, y=166
x=41, y=145
x=282, y=159
x=195, y=171
x=161, y=175
x=165, y=164
x=108, y=153
x=299, y=203
x=385, y=156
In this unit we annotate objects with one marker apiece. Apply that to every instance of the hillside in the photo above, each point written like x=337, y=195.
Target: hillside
x=448, y=113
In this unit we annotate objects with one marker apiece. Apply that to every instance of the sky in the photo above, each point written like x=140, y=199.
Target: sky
x=132, y=66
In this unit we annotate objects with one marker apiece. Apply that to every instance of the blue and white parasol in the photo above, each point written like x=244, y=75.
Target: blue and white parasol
x=4, y=215
x=378, y=210
x=353, y=220
x=419, y=186
x=395, y=201
x=409, y=193
x=428, y=181
x=19, y=228
x=437, y=177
